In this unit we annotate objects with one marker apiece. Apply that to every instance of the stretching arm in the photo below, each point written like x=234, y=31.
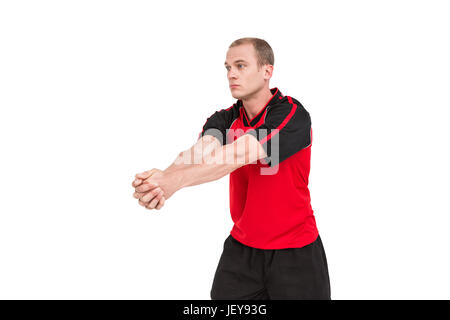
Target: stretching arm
x=215, y=162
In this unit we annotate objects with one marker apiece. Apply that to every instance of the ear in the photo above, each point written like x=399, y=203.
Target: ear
x=268, y=71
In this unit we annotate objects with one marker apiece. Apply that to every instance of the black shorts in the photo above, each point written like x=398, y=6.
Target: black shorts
x=246, y=273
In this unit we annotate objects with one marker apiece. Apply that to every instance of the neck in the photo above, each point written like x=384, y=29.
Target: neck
x=254, y=104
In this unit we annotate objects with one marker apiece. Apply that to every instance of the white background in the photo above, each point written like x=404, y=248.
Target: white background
x=93, y=92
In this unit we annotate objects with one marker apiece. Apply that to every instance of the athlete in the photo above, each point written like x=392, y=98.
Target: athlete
x=263, y=141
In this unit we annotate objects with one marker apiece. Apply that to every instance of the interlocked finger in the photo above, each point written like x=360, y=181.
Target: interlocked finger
x=138, y=195
x=160, y=203
x=155, y=200
x=136, y=182
x=150, y=195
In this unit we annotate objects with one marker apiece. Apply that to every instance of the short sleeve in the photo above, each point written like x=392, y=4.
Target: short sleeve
x=285, y=131
x=218, y=123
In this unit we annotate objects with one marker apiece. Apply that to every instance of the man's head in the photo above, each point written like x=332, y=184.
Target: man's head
x=249, y=63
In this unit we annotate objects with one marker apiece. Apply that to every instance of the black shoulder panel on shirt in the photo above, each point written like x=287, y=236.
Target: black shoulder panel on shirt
x=217, y=124
x=285, y=131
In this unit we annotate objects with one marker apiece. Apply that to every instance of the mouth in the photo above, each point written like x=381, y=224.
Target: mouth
x=234, y=85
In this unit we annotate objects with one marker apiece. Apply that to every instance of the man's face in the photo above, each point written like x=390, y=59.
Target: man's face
x=242, y=70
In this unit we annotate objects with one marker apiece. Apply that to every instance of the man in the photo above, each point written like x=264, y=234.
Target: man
x=263, y=142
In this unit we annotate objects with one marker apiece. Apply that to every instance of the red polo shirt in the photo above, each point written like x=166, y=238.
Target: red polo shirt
x=270, y=202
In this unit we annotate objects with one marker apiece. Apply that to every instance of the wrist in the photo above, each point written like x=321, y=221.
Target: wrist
x=175, y=175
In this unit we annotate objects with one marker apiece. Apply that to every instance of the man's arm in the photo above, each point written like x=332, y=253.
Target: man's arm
x=152, y=194
x=200, y=150
x=218, y=163
x=212, y=165
x=204, y=146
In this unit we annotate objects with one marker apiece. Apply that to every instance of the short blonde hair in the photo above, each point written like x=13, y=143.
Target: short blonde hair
x=264, y=53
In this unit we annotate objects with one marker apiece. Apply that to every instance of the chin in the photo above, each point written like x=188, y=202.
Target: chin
x=236, y=95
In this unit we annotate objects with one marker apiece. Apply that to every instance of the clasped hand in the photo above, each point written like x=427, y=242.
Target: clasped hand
x=152, y=188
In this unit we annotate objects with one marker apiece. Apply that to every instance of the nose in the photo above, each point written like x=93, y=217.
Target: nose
x=231, y=77
x=231, y=74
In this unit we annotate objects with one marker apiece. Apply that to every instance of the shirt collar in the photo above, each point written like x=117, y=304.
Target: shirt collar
x=276, y=97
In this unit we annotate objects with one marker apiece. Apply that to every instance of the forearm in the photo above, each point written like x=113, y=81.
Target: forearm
x=198, y=152
x=215, y=165
x=199, y=165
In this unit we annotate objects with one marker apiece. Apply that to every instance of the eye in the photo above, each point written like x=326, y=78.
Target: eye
x=228, y=68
